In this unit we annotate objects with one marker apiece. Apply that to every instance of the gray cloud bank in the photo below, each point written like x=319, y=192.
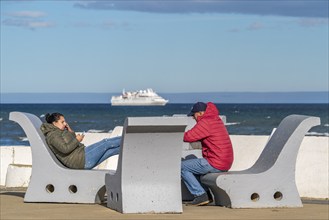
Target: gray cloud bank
x=292, y=8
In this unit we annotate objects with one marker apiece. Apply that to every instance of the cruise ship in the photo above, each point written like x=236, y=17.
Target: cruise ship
x=140, y=97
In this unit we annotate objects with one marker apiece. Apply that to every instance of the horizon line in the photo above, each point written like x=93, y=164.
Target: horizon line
x=186, y=97
x=170, y=92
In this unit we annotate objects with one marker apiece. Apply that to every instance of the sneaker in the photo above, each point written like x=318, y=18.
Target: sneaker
x=199, y=200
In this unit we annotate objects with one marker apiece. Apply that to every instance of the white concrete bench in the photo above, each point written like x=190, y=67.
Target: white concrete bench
x=148, y=178
x=50, y=180
x=270, y=182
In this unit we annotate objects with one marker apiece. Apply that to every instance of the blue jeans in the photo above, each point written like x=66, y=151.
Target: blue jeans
x=191, y=171
x=100, y=151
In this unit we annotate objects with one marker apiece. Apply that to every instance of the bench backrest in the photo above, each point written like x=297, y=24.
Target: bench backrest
x=41, y=154
x=137, y=130
x=284, y=144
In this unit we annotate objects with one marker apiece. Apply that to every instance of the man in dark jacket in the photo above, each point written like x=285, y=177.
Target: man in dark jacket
x=217, y=150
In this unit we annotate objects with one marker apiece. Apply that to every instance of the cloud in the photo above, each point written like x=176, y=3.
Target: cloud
x=117, y=25
x=106, y=24
x=82, y=24
x=292, y=8
x=27, y=14
x=30, y=24
x=109, y=24
x=234, y=30
x=255, y=26
x=40, y=24
x=27, y=19
x=312, y=22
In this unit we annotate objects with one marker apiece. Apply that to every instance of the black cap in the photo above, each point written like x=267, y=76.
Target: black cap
x=198, y=107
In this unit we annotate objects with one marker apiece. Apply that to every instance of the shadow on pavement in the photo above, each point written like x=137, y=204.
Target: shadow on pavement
x=18, y=194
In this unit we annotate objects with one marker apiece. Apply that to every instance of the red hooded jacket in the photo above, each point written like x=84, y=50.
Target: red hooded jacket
x=216, y=143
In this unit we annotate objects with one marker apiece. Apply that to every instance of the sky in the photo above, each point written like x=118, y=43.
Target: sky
x=172, y=46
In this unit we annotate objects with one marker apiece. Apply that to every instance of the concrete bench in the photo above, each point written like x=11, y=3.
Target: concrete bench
x=50, y=180
x=270, y=182
x=148, y=178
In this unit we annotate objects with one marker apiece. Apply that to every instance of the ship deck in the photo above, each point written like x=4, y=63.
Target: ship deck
x=13, y=207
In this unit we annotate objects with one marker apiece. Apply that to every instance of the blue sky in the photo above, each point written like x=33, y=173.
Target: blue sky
x=170, y=46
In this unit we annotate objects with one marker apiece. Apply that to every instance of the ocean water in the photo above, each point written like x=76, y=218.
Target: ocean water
x=242, y=119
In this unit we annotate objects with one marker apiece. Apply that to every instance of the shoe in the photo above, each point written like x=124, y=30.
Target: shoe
x=210, y=197
x=186, y=201
x=199, y=200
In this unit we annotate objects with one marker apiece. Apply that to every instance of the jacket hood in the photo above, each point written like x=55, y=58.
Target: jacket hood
x=211, y=111
x=46, y=128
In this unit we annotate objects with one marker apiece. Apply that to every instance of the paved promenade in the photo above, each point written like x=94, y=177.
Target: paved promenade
x=13, y=207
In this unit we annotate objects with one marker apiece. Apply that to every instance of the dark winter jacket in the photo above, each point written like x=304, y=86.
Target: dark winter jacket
x=65, y=146
x=215, y=140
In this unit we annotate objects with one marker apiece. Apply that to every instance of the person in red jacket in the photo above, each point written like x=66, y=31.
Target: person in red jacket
x=217, y=150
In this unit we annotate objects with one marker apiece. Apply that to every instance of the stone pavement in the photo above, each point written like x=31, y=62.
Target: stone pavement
x=13, y=207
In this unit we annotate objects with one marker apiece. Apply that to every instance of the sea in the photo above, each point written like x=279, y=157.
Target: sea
x=242, y=119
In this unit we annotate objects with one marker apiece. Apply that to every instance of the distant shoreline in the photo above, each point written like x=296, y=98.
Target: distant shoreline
x=321, y=97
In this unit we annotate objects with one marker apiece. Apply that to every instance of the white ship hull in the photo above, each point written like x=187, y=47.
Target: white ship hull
x=137, y=102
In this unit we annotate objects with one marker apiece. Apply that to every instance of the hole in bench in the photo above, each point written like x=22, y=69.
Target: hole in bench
x=111, y=196
x=73, y=189
x=278, y=196
x=254, y=197
x=117, y=197
x=50, y=188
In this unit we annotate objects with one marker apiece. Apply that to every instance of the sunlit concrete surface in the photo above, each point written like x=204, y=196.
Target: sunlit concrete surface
x=13, y=207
